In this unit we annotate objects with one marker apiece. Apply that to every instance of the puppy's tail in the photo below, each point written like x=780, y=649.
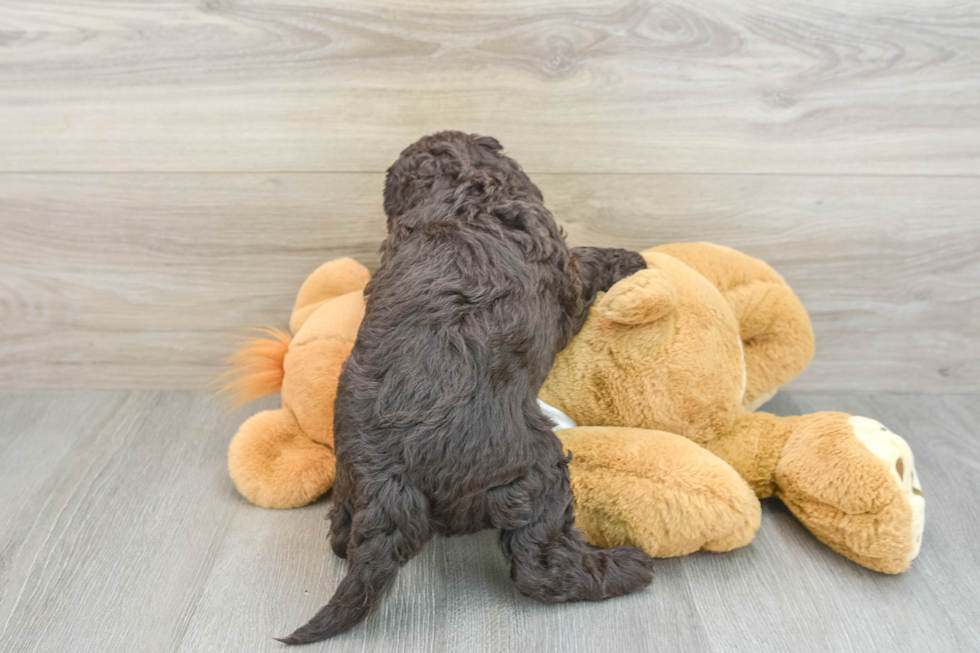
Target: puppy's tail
x=359, y=594
x=256, y=370
x=391, y=530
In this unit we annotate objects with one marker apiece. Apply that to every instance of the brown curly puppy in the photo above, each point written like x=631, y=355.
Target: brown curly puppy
x=437, y=427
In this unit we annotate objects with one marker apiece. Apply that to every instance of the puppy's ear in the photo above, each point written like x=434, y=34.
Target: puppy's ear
x=490, y=143
x=641, y=298
x=395, y=188
x=406, y=182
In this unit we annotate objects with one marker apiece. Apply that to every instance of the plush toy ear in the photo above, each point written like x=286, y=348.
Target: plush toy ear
x=644, y=297
x=332, y=279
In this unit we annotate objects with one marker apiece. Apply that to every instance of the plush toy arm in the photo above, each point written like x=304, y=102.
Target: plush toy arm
x=332, y=279
x=723, y=266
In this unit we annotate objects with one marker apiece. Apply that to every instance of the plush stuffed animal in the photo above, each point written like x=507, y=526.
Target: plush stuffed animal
x=686, y=350
x=284, y=458
x=654, y=398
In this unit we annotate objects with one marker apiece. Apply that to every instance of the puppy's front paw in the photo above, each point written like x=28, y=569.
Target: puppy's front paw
x=626, y=263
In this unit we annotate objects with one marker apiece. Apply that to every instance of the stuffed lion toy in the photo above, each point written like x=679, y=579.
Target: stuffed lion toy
x=655, y=398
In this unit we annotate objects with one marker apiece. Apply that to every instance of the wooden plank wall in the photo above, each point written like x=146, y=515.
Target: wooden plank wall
x=170, y=171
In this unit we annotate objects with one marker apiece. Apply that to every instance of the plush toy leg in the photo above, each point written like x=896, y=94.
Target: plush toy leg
x=753, y=447
x=275, y=464
x=852, y=482
x=658, y=491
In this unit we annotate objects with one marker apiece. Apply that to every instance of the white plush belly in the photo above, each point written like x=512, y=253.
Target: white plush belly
x=560, y=419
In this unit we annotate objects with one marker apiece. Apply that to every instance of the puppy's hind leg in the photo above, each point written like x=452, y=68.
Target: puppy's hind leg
x=387, y=531
x=341, y=518
x=341, y=514
x=551, y=563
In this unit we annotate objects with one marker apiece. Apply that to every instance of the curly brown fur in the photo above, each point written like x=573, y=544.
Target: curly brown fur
x=437, y=427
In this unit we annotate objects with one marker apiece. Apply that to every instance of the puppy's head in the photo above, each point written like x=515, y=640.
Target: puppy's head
x=452, y=164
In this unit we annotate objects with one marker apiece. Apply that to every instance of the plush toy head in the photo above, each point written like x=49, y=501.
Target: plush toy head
x=684, y=345
x=659, y=351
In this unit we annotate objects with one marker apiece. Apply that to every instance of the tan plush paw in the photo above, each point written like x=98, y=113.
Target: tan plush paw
x=274, y=464
x=852, y=483
x=895, y=453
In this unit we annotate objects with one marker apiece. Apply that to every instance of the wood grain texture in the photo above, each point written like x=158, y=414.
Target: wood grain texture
x=770, y=86
x=120, y=531
x=170, y=171
x=146, y=280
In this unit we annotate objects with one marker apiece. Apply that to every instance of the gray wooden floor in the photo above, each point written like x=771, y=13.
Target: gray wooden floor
x=171, y=171
x=120, y=531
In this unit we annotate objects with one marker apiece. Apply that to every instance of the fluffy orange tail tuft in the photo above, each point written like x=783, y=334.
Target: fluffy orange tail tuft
x=256, y=369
